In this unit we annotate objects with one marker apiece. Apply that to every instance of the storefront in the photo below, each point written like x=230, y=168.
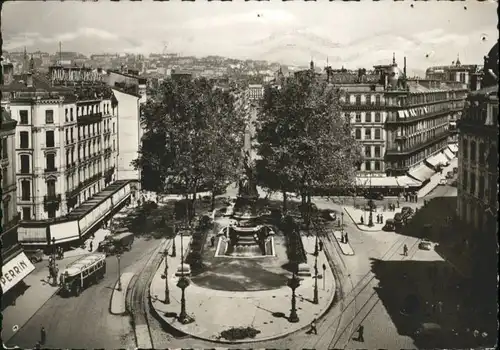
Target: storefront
x=421, y=173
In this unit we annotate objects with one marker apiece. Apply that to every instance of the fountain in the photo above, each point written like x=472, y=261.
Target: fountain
x=246, y=237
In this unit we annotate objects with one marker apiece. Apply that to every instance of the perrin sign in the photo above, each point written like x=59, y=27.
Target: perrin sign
x=75, y=74
x=15, y=270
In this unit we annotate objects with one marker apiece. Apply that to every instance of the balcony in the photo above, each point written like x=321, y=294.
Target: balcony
x=401, y=137
x=50, y=170
x=51, y=201
x=89, y=118
x=418, y=147
x=420, y=117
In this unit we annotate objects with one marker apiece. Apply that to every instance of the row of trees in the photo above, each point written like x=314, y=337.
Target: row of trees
x=304, y=140
x=193, y=138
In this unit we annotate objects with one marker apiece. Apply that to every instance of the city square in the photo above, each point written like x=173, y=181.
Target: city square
x=280, y=199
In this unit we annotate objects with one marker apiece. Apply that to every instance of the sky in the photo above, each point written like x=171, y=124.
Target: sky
x=350, y=34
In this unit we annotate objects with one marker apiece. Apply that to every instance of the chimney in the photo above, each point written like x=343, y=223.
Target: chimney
x=29, y=80
x=404, y=68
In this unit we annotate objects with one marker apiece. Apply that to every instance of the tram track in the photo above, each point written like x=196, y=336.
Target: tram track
x=138, y=294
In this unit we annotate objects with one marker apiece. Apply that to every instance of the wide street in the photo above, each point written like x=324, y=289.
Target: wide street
x=85, y=321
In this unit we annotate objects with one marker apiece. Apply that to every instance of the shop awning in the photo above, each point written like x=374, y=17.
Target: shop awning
x=421, y=172
x=15, y=270
x=449, y=154
x=406, y=181
x=384, y=181
x=453, y=147
x=437, y=159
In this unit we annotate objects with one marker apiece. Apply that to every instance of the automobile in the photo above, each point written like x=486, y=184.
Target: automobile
x=329, y=214
x=449, y=175
x=398, y=221
x=443, y=182
x=390, y=225
x=425, y=245
x=374, y=195
x=35, y=255
x=407, y=213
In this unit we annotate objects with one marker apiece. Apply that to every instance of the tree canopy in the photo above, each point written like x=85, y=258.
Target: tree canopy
x=193, y=133
x=304, y=140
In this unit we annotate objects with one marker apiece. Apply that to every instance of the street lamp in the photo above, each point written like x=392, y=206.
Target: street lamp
x=183, y=283
x=316, y=253
x=118, y=256
x=370, y=203
x=293, y=284
x=165, y=277
x=342, y=222
x=174, y=254
x=54, y=249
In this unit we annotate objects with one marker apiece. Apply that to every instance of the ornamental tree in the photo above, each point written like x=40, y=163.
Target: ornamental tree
x=304, y=139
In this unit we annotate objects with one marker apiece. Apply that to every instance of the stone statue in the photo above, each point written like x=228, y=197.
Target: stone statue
x=247, y=185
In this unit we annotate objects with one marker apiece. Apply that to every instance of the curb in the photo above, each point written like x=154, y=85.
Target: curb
x=330, y=303
x=124, y=288
x=340, y=247
x=357, y=225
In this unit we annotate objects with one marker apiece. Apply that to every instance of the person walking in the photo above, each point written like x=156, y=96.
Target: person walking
x=361, y=331
x=405, y=250
x=320, y=246
x=381, y=218
x=313, y=328
x=346, y=239
x=43, y=336
x=212, y=241
x=91, y=246
x=361, y=220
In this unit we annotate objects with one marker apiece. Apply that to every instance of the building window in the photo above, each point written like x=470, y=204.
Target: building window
x=71, y=114
x=24, y=139
x=358, y=134
x=377, y=117
x=368, y=117
x=49, y=116
x=377, y=100
x=113, y=127
x=25, y=164
x=377, y=151
x=51, y=161
x=5, y=149
x=473, y=151
x=368, y=151
x=358, y=117
x=481, y=188
x=5, y=178
x=26, y=213
x=66, y=114
x=368, y=166
x=25, y=190
x=23, y=117
x=473, y=184
x=464, y=149
x=368, y=134
x=49, y=138
x=464, y=181
x=358, y=99
x=377, y=134
x=482, y=153
x=377, y=165
x=51, y=188
x=51, y=213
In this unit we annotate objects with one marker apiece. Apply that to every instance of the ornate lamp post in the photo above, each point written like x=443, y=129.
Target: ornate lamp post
x=293, y=284
x=183, y=283
x=342, y=222
x=316, y=253
x=370, y=203
x=174, y=254
x=53, y=249
x=118, y=256
x=165, y=277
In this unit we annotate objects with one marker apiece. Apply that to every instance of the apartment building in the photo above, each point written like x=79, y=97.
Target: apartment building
x=66, y=152
x=468, y=74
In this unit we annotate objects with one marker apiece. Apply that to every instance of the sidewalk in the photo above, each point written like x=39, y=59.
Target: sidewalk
x=118, y=297
x=344, y=247
x=266, y=311
x=434, y=181
x=27, y=304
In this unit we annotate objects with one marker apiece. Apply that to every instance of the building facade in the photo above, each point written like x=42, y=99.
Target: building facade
x=66, y=148
x=468, y=74
x=478, y=155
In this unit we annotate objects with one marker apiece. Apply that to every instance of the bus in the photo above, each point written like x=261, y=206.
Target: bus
x=82, y=273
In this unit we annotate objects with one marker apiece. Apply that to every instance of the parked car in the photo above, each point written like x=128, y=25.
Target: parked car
x=425, y=245
x=407, y=213
x=329, y=214
x=398, y=221
x=390, y=225
x=374, y=195
x=35, y=255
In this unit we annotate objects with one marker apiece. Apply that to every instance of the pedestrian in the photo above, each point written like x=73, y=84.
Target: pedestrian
x=91, y=246
x=346, y=239
x=397, y=202
x=212, y=241
x=381, y=218
x=313, y=328
x=405, y=250
x=361, y=220
x=361, y=331
x=320, y=246
x=43, y=336
x=377, y=218
x=338, y=222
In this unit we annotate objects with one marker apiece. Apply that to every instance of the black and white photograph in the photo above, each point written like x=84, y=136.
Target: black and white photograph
x=249, y=174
